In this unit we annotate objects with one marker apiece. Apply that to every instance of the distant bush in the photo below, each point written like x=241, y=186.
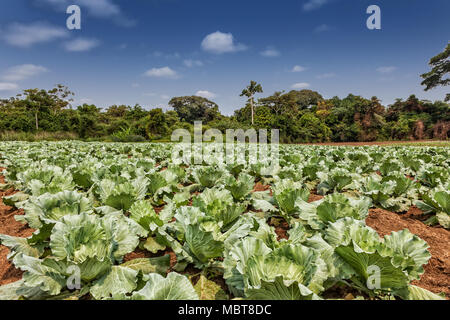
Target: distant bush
x=38, y=136
x=129, y=138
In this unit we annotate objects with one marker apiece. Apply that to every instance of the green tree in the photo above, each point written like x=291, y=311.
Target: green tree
x=88, y=120
x=304, y=99
x=136, y=113
x=118, y=111
x=250, y=92
x=440, y=67
x=61, y=97
x=156, y=125
x=38, y=101
x=195, y=108
x=312, y=129
x=172, y=118
x=275, y=102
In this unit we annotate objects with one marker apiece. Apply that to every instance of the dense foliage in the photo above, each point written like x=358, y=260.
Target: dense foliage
x=94, y=203
x=440, y=70
x=301, y=116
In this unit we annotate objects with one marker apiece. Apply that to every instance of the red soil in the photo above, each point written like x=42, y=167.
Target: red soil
x=437, y=272
x=281, y=232
x=370, y=143
x=260, y=187
x=281, y=227
x=137, y=254
x=314, y=197
x=173, y=258
x=9, y=226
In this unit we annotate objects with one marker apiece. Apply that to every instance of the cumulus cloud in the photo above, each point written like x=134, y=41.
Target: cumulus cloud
x=270, y=52
x=164, y=72
x=81, y=44
x=219, y=42
x=22, y=72
x=97, y=8
x=192, y=63
x=300, y=85
x=100, y=8
x=298, y=68
x=205, y=94
x=388, y=69
x=6, y=86
x=27, y=35
x=314, y=4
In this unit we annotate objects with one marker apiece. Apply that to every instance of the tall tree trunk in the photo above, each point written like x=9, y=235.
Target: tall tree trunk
x=251, y=106
x=37, y=122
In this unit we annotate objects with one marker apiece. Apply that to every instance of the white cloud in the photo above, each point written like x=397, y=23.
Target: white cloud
x=6, y=86
x=326, y=75
x=24, y=36
x=388, y=69
x=81, y=44
x=205, y=94
x=314, y=4
x=298, y=69
x=219, y=42
x=192, y=63
x=22, y=72
x=97, y=8
x=165, y=97
x=100, y=8
x=164, y=72
x=270, y=52
x=300, y=85
x=322, y=28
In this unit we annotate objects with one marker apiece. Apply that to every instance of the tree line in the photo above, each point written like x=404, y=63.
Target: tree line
x=301, y=116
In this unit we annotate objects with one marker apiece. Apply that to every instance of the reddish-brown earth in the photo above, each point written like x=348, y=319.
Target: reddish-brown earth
x=437, y=272
x=9, y=226
x=261, y=187
x=137, y=254
x=371, y=143
x=281, y=228
x=173, y=258
x=314, y=197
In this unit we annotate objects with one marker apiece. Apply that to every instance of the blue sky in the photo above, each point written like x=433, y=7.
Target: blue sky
x=147, y=51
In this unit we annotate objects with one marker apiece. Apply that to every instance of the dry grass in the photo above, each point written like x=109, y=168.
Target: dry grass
x=38, y=136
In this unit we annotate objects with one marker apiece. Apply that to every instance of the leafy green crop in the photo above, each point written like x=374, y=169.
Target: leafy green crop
x=128, y=223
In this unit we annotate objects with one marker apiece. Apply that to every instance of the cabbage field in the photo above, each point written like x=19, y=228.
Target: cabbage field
x=122, y=221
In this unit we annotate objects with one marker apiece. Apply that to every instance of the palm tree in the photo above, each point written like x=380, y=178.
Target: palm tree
x=249, y=92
